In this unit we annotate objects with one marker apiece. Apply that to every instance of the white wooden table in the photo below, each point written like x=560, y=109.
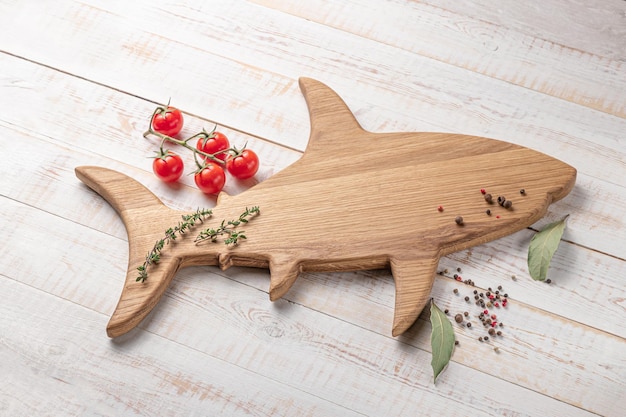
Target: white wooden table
x=78, y=82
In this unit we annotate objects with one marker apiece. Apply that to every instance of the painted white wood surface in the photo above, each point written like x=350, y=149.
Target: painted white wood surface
x=78, y=81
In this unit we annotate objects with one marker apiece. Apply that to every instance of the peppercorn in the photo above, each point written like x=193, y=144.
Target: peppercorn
x=488, y=198
x=492, y=332
x=466, y=298
x=458, y=269
x=456, y=342
x=548, y=281
x=481, y=295
x=446, y=311
x=459, y=220
x=522, y=191
x=465, y=313
x=486, y=337
x=480, y=339
x=483, y=191
x=488, y=212
x=469, y=324
x=500, y=287
x=496, y=349
x=507, y=204
x=456, y=290
x=476, y=297
x=458, y=318
x=440, y=208
x=455, y=276
x=499, y=333
x=506, y=295
x=501, y=199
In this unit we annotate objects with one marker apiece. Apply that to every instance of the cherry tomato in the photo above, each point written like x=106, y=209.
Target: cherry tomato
x=243, y=166
x=168, y=167
x=217, y=142
x=168, y=122
x=210, y=179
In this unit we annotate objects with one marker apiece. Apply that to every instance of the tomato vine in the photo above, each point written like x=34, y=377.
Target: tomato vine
x=211, y=153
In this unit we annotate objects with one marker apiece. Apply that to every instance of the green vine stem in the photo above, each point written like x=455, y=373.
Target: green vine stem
x=184, y=142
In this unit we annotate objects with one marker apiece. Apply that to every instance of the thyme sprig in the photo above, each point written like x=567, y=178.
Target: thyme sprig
x=228, y=228
x=189, y=221
x=154, y=256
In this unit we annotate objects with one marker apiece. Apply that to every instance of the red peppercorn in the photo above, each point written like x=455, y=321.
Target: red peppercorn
x=497, y=305
x=483, y=191
x=494, y=324
x=486, y=311
x=493, y=316
x=497, y=217
x=440, y=208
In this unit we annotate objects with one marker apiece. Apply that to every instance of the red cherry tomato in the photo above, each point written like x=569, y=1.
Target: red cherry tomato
x=168, y=167
x=217, y=142
x=243, y=166
x=210, y=179
x=168, y=122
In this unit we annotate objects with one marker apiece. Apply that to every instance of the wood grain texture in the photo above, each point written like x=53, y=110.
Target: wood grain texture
x=78, y=80
x=345, y=213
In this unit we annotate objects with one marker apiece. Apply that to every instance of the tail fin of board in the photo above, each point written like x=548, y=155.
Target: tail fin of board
x=128, y=197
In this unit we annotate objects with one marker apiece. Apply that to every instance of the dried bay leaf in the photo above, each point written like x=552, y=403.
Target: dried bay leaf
x=542, y=247
x=441, y=339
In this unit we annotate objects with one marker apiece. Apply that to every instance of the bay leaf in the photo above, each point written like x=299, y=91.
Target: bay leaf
x=441, y=339
x=542, y=247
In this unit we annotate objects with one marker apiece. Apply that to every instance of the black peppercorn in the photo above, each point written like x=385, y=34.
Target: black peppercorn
x=507, y=204
x=488, y=198
x=458, y=318
x=480, y=339
x=475, y=291
x=458, y=220
x=486, y=337
x=456, y=290
x=446, y=311
x=548, y=281
x=458, y=270
x=465, y=313
x=488, y=212
x=522, y=191
x=492, y=332
x=499, y=333
x=456, y=342
x=466, y=298
x=469, y=324
x=455, y=276
x=500, y=287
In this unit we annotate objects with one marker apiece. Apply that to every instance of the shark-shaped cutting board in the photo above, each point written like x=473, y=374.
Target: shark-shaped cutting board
x=355, y=200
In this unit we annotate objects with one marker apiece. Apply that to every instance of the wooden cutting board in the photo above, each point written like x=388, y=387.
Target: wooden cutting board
x=355, y=200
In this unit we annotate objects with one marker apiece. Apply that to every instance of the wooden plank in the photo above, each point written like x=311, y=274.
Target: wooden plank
x=446, y=33
x=53, y=363
x=594, y=26
x=311, y=351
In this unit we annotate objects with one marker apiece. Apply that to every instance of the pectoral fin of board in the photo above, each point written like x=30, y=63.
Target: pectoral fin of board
x=283, y=273
x=414, y=278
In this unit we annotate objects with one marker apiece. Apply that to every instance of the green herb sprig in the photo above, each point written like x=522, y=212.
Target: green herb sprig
x=228, y=228
x=154, y=256
x=189, y=221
